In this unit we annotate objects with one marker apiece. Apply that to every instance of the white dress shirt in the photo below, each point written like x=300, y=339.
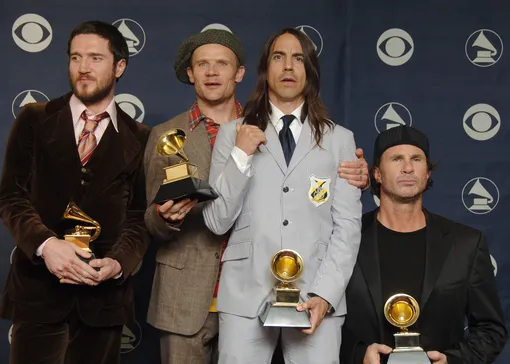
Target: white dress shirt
x=243, y=161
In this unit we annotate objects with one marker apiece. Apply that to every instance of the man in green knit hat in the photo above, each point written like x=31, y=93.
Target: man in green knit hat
x=183, y=299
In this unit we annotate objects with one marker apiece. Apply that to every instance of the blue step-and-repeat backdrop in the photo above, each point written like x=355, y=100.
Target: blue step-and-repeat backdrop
x=440, y=66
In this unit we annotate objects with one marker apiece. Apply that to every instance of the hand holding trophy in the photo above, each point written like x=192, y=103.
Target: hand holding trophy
x=81, y=237
x=181, y=179
x=402, y=311
x=287, y=266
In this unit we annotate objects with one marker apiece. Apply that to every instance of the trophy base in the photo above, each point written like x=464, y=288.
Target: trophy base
x=189, y=187
x=284, y=316
x=410, y=357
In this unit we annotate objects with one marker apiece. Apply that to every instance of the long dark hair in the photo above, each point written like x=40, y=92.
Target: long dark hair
x=258, y=109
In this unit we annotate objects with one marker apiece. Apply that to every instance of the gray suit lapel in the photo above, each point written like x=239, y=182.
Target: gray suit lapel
x=303, y=146
x=274, y=147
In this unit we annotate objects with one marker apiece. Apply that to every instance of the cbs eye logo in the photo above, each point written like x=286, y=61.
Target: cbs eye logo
x=395, y=47
x=481, y=122
x=32, y=33
x=131, y=105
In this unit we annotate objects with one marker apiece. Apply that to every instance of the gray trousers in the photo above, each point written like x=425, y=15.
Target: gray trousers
x=245, y=341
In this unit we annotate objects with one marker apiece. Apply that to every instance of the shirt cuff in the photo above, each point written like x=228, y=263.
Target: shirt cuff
x=39, y=250
x=118, y=275
x=242, y=160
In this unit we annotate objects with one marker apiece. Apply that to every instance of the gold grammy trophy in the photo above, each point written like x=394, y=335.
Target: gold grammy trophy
x=181, y=179
x=402, y=311
x=81, y=237
x=287, y=266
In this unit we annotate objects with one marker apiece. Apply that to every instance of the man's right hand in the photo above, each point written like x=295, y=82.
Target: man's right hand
x=373, y=353
x=249, y=137
x=175, y=212
x=61, y=260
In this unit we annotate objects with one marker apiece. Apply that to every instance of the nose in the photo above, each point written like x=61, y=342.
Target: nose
x=288, y=64
x=83, y=66
x=212, y=70
x=408, y=167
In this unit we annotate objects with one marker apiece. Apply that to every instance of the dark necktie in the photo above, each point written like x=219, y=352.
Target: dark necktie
x=286, y=138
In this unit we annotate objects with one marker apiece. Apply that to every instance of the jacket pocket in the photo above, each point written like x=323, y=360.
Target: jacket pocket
x=237, y=251
x=173, y=258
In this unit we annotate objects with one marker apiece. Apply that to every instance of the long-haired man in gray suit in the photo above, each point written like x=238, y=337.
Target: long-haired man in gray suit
x=183, y=295
x=276, y=174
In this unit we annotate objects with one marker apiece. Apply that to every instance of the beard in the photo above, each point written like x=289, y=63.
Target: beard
x=92, y=95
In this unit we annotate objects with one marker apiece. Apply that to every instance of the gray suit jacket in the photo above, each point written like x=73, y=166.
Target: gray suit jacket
x=274, y=209
x=188, y=257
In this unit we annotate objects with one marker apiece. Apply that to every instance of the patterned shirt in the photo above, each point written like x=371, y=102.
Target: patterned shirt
x=196, y=116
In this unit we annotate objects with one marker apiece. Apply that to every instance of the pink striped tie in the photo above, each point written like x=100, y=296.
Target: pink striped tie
x=87, y=141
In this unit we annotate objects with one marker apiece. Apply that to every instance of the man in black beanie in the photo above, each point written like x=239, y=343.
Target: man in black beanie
x=443, y=265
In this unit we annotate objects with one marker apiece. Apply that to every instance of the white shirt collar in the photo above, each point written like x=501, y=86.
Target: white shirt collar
x=77, y=108
x=276, y=114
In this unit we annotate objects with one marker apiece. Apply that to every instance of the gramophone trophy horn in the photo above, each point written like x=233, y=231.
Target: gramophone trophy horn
x=402, y=310
x=287, y=266
x=181, y=179
x=82, y=236
x=172, y=143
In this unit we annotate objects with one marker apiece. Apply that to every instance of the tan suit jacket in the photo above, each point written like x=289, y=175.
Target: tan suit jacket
x=187, y=261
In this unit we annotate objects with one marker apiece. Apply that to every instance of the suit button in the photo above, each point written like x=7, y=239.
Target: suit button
x=217, y=255
x=84, y=170
x=83, y=182
x=285, y=222
x=285, y=189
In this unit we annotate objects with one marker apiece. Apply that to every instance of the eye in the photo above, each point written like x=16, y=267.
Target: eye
x=300, y=59
x=32, y=33
x=277, y=57
x=395, y=47
x=131, y=105
x=481, y=122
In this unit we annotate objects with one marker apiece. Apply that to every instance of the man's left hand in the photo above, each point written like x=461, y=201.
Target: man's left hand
x=356, y=173
x=318, y=307
x=437, y=357
x=108, y=268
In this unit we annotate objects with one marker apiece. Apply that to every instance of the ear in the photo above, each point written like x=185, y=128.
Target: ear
x=120, y=68
x=377, y=175
x=189, y=71
x=240, y=74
